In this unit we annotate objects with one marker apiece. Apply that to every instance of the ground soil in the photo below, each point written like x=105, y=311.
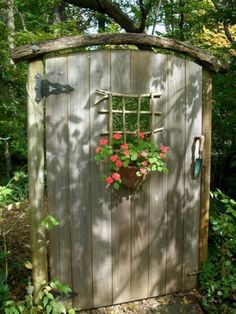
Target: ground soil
x=185, y=303
x=15, y=222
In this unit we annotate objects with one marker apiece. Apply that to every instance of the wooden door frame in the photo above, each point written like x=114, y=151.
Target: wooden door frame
x=36, y=152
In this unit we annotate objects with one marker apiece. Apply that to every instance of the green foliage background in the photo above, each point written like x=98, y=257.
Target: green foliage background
x=204, y=24
x=218, y=278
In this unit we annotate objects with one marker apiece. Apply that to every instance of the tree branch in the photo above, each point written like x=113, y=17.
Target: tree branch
x=227, y=33
x=110, y=9
x=144, y=12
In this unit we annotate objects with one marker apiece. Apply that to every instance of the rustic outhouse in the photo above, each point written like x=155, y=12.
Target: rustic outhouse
x=114, y=247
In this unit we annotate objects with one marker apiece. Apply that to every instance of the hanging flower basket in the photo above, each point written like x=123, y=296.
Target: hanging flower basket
x=130, y=162
x=129, y=178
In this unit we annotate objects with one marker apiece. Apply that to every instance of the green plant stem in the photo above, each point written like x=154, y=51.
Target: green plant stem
x=6, y=259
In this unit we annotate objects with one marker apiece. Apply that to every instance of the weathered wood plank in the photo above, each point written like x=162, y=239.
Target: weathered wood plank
x=176, y=139
x=100, y=196
x=58, y=171
x=158, y=183
x=27, y=52
x=140, y=242
x=121, y=200
x=140, y=67
x=35, y=130
x=206, y=168
x=79, y=179
x=121, y=245
x=192, y=186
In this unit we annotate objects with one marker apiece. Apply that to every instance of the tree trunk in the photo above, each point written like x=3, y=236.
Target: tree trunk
x=10, y=23
x=7, y=156
x=181, y=19
x=8, y=160
x=58, y=12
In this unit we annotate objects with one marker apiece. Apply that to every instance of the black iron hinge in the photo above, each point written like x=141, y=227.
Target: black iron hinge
x=45, y=88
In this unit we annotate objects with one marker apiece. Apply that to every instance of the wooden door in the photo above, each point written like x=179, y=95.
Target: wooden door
x=114, y=247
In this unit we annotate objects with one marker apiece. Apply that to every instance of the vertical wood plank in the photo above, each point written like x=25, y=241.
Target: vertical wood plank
x=206, y=168
x=192, y=186
x=110, y=118
x=140, y=67
x=158, y=183
x=176, y=139
x=35, y=129
x=58, y=171
x=79, y=179
x=100, y=196
x=121, y=245
x=121, y=200
x=124, y=119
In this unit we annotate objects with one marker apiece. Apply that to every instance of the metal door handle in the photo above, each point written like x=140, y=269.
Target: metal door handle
x=197, y=164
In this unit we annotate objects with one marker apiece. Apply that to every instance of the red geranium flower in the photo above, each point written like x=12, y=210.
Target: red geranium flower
x=163, y=156
x=126, y=152
x=124, y=146
x=164, y=149
x=98, y=149
x=117, y=136
x=141, y=135
x=103, y=141
x=119, y=164
x=144, y=163
x=115, y=176
x=109, y=180
x=114, y=158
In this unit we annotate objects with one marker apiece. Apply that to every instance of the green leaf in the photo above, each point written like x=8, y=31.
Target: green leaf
x=45, y=301
x=71, y=311
x=10, y=303
x=126, y=163
x=21, y=308
x=49, y=222
x=134, y=156
x=50, y=296
x=61, y=308
x=48, y=309
x=116, y=186
x=97, y=158
x=53, y=285
x=233, y=286
x=232, y=202
x=152, y=160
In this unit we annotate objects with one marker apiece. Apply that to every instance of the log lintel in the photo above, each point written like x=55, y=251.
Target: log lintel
x=29, y=52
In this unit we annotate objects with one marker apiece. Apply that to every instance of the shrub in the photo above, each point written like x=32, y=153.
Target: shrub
x=218, y=277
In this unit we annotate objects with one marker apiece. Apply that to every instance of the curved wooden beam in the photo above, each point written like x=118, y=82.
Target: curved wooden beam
x=28, y=52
